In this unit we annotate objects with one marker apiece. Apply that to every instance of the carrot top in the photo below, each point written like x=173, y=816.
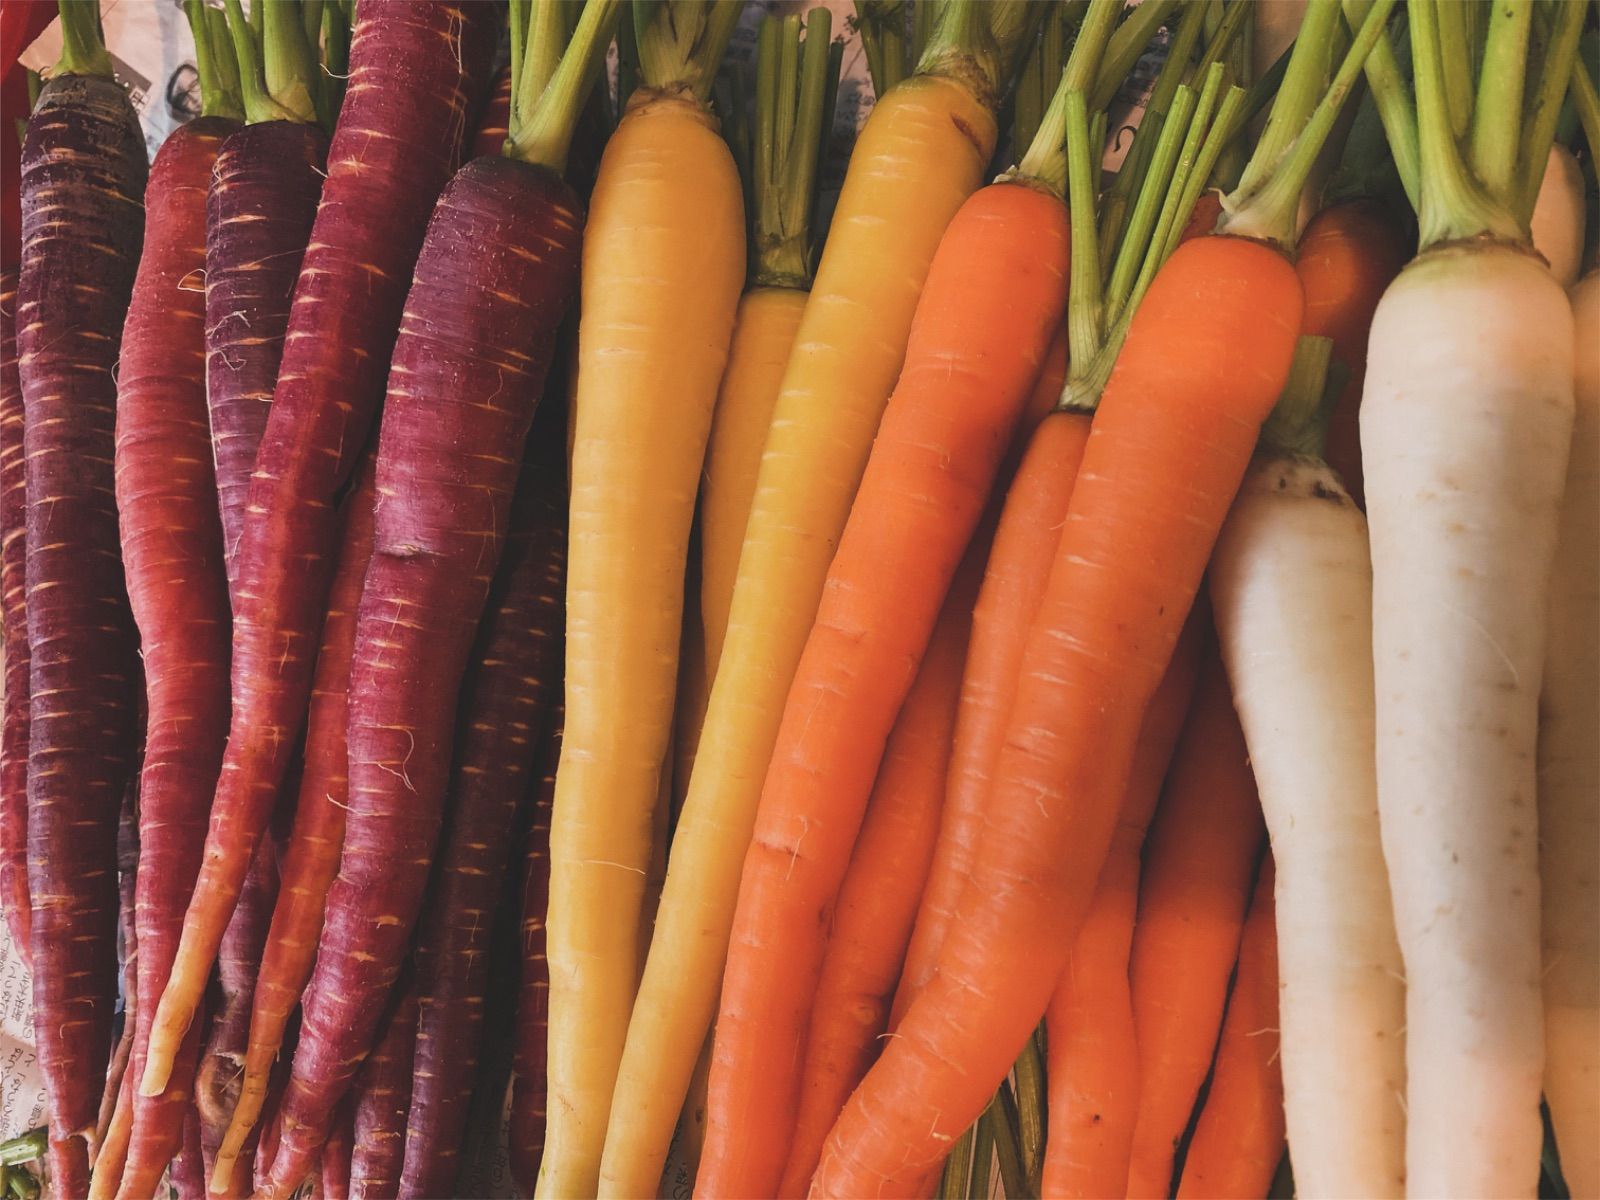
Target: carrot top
x=83, y=41
x=975, y=43
x=549, y=85
x=681, y=42
x=882, y=27
x=276, y=64
x=214, y=61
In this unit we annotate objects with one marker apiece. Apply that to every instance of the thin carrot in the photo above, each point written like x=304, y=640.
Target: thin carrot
x=13, y=596
x=1205, y=843
x=1093, y=1048
x=1239, y=1140
x=381, y=1097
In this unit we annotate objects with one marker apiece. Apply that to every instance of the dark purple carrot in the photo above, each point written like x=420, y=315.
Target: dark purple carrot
x=177, y=586
x=494, y=122
x=83, y=177
x=496, y=272
x=512, y=673
x=14, y=616
x=528, y=1090
x=413, y=64
x=258, y=219
x=382, y=1096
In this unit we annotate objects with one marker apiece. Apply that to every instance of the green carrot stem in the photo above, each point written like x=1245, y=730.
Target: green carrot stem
x=1085, y=303
x=335, y=60
x=311, y=18
x=1391, y=95
x=1271, y=210
x=21, y=1184
x=1046, y=159
x=881, y=26
x=1586, y=100
x=983, y=1139
x=1302, y=84
x=214, y=62
x=923, y=19
x=1129, y=41
x=1265, y=90
x=1497, y=113
x=1030, y=1093
x=1008, y=1153
x=1298, y=424
x=1147, y=209
x=259, y=106
x=1544, y=111
x=681, y=42
x=24, y=1148
x=1234, y=21
x=83, y=45
x=545, y=135
x=975, y=42
x=1455, y=57
x=288, y=63
x=958, y=1167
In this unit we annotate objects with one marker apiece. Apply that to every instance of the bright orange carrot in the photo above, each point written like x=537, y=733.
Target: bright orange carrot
x=1094, y=1057
x=1206, y=356
x=878, y=898
x=1239, y=1140
x=1204, y=847
x=995, y=292
x=1348, y=255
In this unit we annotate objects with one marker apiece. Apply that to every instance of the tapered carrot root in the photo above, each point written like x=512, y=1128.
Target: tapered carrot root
x=391, y=153
x=262, y=202
x=496, y=271
x=312, y=858
x=514, y=670
x=83, y=177
x=382, y=1096
x=1238, y=1141
x=525, y=1140
x=14, y=617
x=177, y=587
x=1092, y=1042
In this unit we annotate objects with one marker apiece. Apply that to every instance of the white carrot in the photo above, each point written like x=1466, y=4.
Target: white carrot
x=1291, y=587
x=1465, y=425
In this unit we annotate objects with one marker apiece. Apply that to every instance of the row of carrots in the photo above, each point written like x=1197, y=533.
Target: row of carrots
x=898, y=589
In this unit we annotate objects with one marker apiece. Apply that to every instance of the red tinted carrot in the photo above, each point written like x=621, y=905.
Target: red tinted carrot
x=494, y=122
x=514, y=670
x=391, y=152
x=1094, y=1056
x=177, y=587
x=382, y=1096
x=1348, y=255
x=1204, y=846
x=188, y=1175
x=334, y=1182
x=312, y=857
x=83, y=177
x=14, y=617
x=878, y=898
x=1239, y=1139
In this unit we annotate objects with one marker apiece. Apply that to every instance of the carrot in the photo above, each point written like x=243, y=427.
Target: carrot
x=920, y=155
x=188, y=1175
x=14, y=616
x=1093, y=1045
x=114, y=1124
x=391, y=151
x=259, y=212
x=312, y=857
x=515, y=662
x=177, y=584
x=878, y=897
x=1205, y=843
x=525, y=1140
x=494, y=122
x=381, y=1098
x=83, y=176
x=1348, y=255
x=497, y=269
x=1238, y=1141
x=662, y=269
x=337, y=1153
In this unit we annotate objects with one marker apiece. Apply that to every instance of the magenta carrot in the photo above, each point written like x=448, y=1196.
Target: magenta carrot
x=381, y=1098
x=83, y=177
x=336, y=1154
x=514, y=670
x=391, y=152
x=14, y=617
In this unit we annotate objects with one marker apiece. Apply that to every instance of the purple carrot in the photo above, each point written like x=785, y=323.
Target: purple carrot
x=83, y=177
x=382, y=1095
x=513, y=669
x=413, y=66
x=14, y=615
x=336, y=1154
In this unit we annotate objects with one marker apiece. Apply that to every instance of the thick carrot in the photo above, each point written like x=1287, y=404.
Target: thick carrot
x=381, y=1097
x=391, y=152
x=1348, y=255
x=878, y=897
x=83, y=176
x=496, y=272
x=525, y=1140
x=952, y=414
x=312, y=857
x=494, y=122
x=14, y=617
x=1239, y=1139
x=177, y=586
x=1207, y=353
x=1091, y=1039
x=515, y=668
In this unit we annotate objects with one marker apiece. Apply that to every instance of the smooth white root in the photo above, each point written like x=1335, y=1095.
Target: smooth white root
x=1465, y=425
x=1569, y=783
x=1558, y=215
x=1291, y=586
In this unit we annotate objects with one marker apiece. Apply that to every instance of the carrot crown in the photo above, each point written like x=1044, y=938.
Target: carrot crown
x=549, y=85
x=83, y=41
x=277, y=66
x=1298, y=423
x=794, y=86
x=975, y=42
x=681, y=42
x=218, y=69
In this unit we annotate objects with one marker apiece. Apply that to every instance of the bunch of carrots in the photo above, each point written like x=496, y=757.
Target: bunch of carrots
x=534, y=628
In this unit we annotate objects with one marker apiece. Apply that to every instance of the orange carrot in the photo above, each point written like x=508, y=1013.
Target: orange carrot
x=878, y=898
x=1202, y=857
x=1348, y=255
x=1239, y=1140
x=1205, y=358
x=1094, y=1056
x=994, y=294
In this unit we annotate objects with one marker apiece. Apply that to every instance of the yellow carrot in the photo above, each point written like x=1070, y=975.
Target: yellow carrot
x=663, y=265
x=922, y=152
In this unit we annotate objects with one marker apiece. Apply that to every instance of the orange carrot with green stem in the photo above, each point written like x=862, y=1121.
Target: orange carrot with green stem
x=1205, y=356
